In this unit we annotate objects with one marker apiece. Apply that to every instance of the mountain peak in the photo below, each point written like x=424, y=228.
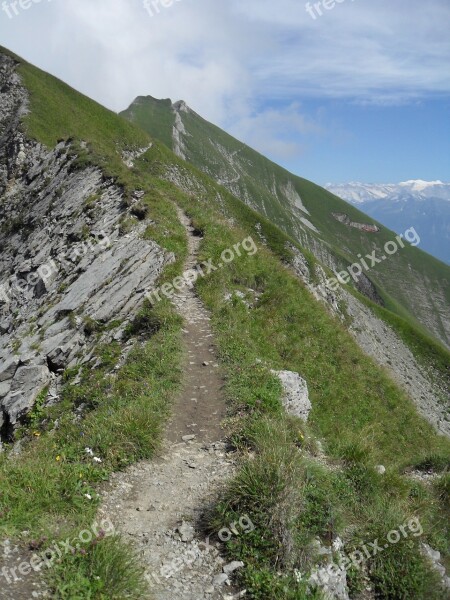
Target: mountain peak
x=418, y=185
x=181, y=106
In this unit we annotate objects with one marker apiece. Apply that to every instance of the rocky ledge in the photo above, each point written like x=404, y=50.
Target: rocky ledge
x=66, y=261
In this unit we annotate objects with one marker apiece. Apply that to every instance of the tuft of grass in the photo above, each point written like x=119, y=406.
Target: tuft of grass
x=108, y=570
x=402, y=572
x=146, y=323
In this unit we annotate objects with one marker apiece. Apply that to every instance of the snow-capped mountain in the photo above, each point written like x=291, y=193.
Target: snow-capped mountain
x=358, y=193
x=424, y=205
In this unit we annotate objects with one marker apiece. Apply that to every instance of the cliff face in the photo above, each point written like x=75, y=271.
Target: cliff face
x=65, y=264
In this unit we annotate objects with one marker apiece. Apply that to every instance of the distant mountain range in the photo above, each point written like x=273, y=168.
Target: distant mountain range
x=424, y=205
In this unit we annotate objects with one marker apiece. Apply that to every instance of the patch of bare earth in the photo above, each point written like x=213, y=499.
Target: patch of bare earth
x=18, y=581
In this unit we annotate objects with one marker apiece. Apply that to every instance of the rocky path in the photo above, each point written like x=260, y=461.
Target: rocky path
x=159, y=504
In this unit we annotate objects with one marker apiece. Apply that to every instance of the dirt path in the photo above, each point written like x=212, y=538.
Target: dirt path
x=159, y=504
x=201, y=406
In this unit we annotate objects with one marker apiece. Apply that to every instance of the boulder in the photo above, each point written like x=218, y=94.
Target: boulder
x=331, y=582
x=27, y=384
x=5, y=386
x=8, y=368
x=295, y=394
x=186, y=531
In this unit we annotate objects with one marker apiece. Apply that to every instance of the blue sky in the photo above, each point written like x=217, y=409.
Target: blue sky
x=377, y=144
x=361, y=93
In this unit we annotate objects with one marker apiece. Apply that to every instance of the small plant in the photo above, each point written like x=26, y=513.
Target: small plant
x=434, y=462
x=85, y=232
x=63, y=287
x=72, y=319
x=90, y=203
x=91, y=326
x=107, y=568
x=126, y=225
x=146, y=323
x=140, y=211
x=16, y=345
x=36, y=414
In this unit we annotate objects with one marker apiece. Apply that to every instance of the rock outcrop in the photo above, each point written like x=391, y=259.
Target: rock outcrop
x=345, y=219
x=65, y=261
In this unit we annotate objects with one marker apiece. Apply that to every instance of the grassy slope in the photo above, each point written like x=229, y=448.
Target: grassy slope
x=154, y=116
x=367, y=422
x=358, y=411
x=362, y=416
x=394, y=278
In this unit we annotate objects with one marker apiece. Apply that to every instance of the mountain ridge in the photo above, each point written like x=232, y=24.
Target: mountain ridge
x=359, y=192
x=302, y=209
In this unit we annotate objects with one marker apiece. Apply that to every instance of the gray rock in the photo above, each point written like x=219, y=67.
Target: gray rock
x=331, y=582
x=232, y=566
x=295, y=397
x=8, y=368
x=186, y=531
x=434, y=556
x=25, y=387
x=5, y=386
x=5, y=325
x=72, y=259
x=220, y=579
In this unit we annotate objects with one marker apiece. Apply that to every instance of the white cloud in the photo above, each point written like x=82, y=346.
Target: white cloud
x=229, y=60
x=280, y=134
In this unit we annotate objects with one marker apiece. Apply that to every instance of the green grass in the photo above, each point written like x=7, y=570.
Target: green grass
x=292, y=501
x=108, y=570
x=305, y=338
x=122, y=425
x=61, y=113
x=153, y=116
x=362, y=416
x=44, y=492
x=405, y=290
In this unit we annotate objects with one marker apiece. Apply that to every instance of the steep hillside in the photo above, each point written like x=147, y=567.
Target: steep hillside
x=140, y=302
x=410, y=283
